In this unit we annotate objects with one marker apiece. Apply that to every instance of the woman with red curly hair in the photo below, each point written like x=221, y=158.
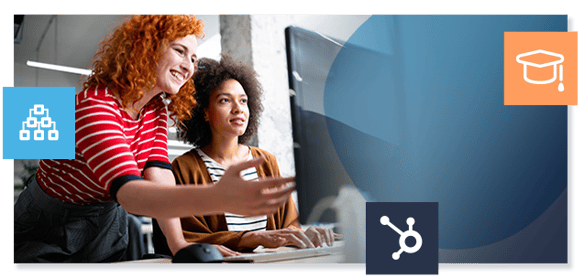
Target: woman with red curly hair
x=75, y=209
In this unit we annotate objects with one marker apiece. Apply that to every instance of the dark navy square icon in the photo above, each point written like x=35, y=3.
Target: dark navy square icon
x=401, y=238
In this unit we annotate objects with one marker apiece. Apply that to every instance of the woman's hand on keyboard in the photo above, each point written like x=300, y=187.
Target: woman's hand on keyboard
x=276, y=238
x=226, y=252
x=321, y=236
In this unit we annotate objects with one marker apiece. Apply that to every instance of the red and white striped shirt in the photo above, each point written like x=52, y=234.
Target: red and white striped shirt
x=111, y=148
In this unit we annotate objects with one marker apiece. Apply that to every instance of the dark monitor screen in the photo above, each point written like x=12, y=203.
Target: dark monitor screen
x=319, y=172
x=417, y=115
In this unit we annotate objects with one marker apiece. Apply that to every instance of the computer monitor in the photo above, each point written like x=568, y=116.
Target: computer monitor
x=319, y=172
x=420, y=117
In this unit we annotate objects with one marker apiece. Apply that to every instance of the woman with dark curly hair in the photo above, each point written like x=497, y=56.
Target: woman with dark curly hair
x=225, y=118
x=75, y=209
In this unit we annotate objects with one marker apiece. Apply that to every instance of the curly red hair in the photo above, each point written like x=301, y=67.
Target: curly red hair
x=126, y=61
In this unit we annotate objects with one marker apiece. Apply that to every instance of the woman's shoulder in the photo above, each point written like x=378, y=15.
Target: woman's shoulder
x=188, y=157
x=257, y=152
x=189, y=168
x=99, y=94
x=270, y=168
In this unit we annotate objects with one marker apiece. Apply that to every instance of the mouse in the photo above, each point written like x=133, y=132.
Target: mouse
x=198, y=253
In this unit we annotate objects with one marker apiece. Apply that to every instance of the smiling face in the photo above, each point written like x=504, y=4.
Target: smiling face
x=228, y=112
x=176, y=65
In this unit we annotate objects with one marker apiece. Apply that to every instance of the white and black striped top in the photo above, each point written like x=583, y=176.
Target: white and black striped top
x=235, y=223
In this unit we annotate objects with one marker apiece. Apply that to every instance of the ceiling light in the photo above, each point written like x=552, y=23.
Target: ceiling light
x=58, y=68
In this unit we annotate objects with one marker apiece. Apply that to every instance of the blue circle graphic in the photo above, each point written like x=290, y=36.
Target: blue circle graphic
x=414, y=107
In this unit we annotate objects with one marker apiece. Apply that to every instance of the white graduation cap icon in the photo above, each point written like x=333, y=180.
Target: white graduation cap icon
x=541, y=59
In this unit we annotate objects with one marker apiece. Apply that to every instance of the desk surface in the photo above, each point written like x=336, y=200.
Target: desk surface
x=321, y=255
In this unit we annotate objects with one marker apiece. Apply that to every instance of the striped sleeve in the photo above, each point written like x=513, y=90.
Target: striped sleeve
x=99, y=136
x=159, y=153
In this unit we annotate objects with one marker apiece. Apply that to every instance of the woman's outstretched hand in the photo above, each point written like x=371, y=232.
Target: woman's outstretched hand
x=252, y=198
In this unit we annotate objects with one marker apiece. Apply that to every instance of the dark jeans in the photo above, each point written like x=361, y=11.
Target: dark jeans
x=47, y=230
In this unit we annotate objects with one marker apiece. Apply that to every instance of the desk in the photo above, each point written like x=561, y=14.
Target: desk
x=322, y=255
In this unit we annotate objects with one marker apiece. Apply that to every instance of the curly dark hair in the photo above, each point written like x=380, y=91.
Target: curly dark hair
x=210, y=75
x=127, y=59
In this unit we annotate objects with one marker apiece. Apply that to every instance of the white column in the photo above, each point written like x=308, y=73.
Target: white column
x=259, y=41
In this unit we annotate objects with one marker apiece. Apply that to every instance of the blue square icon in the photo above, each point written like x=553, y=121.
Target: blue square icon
x=38, y=122
x=401, y=238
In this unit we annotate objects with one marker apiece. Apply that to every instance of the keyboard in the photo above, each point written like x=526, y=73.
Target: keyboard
x=286, y=254
x=332, y=254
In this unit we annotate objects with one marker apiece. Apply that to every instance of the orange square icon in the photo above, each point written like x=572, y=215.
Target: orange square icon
x=541, y=68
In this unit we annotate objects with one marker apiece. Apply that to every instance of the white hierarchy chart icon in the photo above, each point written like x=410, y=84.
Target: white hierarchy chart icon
x=403, y=236
x=38, y=122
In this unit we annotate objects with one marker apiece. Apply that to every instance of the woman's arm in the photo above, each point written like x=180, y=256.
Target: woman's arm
x=190, y=169
x=170, y=226
x=231, y=193
x=196, y=229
